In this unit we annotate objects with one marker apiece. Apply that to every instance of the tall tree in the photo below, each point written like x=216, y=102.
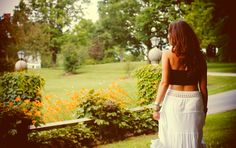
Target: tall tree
x=117, y=20
x=59, y=15
x=153, y=20
x=80, y=38
x=27, y=35
x=6, y=35
x=200, y=16
x=83, y=32
x=213, y=21
x=12, y=33
x=36, y=40
x=225, y=10
x=13, y=29
x=96, y=50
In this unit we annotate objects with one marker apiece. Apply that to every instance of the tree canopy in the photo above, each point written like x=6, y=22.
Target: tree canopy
x=59, y=16
x=123, y=26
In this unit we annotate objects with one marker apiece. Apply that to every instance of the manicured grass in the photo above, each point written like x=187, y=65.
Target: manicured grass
x=102, y=75
x=217, y=84
x=90, y=77
x=143, y=141
x=222, y=67
x=219, y=132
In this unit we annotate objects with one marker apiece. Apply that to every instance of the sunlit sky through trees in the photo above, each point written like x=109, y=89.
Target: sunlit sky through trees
x=7, y=6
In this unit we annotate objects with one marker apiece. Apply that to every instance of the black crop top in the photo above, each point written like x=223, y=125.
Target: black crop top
x=182, y=77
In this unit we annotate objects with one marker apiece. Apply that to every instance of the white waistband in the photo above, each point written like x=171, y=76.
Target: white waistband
x=183, y=94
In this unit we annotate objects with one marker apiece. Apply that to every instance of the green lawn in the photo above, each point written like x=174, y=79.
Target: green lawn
x=89, y=76
x=221, y=67
x=219, y=132
x=102, y=75
x=217, y=84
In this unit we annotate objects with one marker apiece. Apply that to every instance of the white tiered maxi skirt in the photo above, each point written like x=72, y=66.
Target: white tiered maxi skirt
x=181, y=121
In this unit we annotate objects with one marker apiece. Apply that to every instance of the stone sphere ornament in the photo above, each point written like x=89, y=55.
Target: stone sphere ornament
x=154, y=55
x=20, y=65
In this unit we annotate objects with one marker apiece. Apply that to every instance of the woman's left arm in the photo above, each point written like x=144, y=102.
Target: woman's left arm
x=163, y=86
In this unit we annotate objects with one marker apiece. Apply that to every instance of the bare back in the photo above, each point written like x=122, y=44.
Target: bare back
x=174, y=63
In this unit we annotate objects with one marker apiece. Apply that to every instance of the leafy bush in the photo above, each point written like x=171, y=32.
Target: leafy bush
x=106, y=113
x=112, y=120
x=90, y=61
x=20, y=85
x=141, y=122
x=71, y=61
x=71, y=137
x=14, y=126
x=71, y=58
x=148, y=78
x=21, y=92
x=20, y=105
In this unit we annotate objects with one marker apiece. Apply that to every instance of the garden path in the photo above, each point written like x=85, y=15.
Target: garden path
x=222, y=102
x=221, y=74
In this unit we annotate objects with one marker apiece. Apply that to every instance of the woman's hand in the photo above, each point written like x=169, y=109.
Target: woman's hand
x=156, y=115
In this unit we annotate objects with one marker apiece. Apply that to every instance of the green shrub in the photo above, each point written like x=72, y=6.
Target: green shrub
x=20, y=105
x=70, y=136
x=141, y=122
x=112, y=120
x=90, y=61
x=21, y=92
x=106, y=113
x=20, y=84
x=71, y=58
x=98, y=131
x=71, y=61
x=14, y=125
x=148, y=78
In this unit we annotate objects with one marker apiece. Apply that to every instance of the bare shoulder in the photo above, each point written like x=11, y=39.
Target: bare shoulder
x=167, y=53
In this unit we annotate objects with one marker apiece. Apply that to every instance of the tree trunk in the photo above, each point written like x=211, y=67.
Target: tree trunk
x=121, y=54
x=54, y=58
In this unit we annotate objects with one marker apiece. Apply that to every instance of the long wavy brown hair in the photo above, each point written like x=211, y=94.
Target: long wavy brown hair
x=186, y=46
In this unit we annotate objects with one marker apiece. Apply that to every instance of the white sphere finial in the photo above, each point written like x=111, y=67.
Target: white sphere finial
x=154, y=55
x=20, y=65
